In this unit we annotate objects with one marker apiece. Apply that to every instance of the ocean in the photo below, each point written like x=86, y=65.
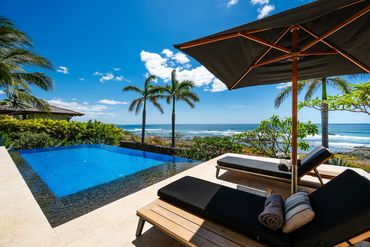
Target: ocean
x=343, y=137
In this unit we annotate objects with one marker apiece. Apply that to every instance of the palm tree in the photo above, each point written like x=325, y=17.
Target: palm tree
x=179, y=91
x=149, y=93
x=312, y=86
x=15, y=55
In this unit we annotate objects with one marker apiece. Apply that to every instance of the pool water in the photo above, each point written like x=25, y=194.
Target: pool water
x=69, y=170
x=68, y=182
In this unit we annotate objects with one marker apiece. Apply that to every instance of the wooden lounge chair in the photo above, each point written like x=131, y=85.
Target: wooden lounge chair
x=270, y=169
x=200, y=213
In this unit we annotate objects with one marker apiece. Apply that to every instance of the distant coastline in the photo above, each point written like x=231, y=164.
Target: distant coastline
x=343, y=137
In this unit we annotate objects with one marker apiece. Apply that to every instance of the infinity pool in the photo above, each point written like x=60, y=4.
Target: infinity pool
x=68, y=170
x=70, y=181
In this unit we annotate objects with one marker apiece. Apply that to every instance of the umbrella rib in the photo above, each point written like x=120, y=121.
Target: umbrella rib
x=339, y=51
x=216, y=39
x=274, y=60
x=317, y=53
x=261, y=57
x=264, y=42
x=337, y=28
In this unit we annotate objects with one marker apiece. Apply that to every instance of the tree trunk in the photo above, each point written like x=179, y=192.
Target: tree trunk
x=143, y=124
x=173, y=122
x=324, y=117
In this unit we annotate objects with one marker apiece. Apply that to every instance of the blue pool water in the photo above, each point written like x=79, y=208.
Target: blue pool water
x=67, y=170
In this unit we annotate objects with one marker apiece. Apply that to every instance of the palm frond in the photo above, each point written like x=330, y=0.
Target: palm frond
x=312, y=86
x=186, y=85
x=149, y=79
x=339, y=83
x=24, y=57
x=9, y=36
x=133, y=89
x=189, y=102
x=19, y=98
x=168, y=99
x=156, y=105
x=286, y=91
x=135, y=105
x=38, y=79
x=189, y=95
x=155, y=90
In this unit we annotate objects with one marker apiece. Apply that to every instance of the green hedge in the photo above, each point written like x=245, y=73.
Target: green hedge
x=206, y=148
x=59, y=132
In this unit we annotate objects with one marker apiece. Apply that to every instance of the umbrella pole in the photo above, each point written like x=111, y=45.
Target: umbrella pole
x=294, y=110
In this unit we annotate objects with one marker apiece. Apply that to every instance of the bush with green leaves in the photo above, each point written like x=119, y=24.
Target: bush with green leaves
x=63, y=132
x=206, y=148
x=339, y=162
x=273, y=137
x=28, y=140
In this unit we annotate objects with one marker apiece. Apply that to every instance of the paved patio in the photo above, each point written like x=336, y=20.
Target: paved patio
x=22, y=223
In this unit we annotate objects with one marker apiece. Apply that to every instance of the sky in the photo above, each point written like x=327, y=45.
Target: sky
x=99, y=47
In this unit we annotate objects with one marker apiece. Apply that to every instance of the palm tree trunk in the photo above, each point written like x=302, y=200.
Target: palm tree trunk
x=324, y=117
x=173, y=121
x=143, y=124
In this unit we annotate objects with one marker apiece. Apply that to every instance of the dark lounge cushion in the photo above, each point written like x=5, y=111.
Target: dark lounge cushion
x=342, y=211
x=314, y=158
x=255, y=166
x=235, y=209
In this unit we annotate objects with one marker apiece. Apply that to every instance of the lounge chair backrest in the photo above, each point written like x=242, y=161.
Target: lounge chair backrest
x=313, y=159
x=342, y=211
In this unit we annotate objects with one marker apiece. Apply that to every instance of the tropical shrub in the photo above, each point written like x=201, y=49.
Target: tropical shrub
x=339, y=162
x=273, y=137
x=349, y=160
x=206, y=148
x=4, y=140
x=28, y=140
x=62, y=132
x=358, y=100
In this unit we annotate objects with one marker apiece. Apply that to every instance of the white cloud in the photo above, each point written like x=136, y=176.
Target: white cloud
x=62, y=69
x=217, y=86
x=265, y=10
x=110, y=76
x=90, y=111
x=239, y=106
x=107, y=77
x=167, y=52
x=284, y=85
x=156, y=64
x=261, y=2
x=162, y=68
x=231, y=3
x=117, y=69
x=121, y=78
x=180, y=58
x=81, y=78
x=112, y=102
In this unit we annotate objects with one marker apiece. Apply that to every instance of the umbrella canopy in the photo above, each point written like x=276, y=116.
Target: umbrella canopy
x=320, y=39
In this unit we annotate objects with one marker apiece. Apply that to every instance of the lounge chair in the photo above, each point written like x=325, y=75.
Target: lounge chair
x=200, y=213
x=270, y=169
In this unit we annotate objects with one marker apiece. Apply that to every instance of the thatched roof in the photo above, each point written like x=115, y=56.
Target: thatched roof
x=5, y=109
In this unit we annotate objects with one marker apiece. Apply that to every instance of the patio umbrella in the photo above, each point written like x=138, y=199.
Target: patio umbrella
x=320, y=39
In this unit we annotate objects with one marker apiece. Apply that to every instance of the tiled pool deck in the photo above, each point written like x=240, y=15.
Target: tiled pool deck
x=22, y=223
